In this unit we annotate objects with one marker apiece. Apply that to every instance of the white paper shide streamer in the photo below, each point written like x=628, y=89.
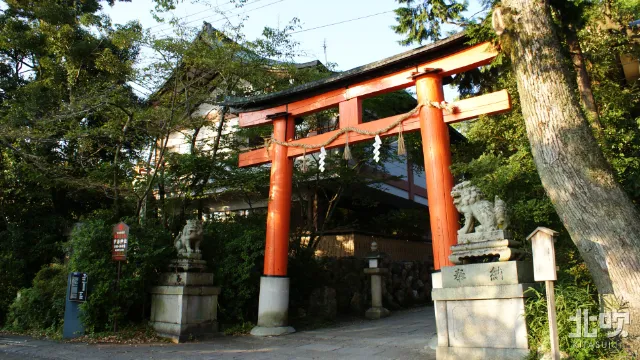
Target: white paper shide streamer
x=376, y=148
x=323, y=155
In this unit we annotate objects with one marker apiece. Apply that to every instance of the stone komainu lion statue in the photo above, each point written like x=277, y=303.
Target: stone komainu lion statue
x=469, y=202
x=189, y=238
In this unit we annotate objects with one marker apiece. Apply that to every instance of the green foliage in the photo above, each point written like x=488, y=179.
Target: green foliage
x=75, y=138
x=234, y=250
x=618, y=102
x=306, y=275
x=574, y=290
x=195, y=61
x=149, y=253
x=41, y=307
x=11, y=280
x=422, y=20
x=239, y=329
x=497, y=158
x=63, y=78
x=569, y=298
x=627, y=9
x=25, y=245
x=385, y=105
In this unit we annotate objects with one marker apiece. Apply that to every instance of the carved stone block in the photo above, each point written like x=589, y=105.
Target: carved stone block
x=495, y=273
x=475, y=323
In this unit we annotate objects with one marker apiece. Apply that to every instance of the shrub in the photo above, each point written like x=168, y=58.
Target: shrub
x=234, y=250
x=307, y=273
x=41, y=307
x=25, y=247
x=569, y=298
x=11, y=279
x=150, y=250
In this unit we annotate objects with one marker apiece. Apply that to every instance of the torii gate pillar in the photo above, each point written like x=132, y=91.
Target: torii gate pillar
x=437, y=160
x=273, y=308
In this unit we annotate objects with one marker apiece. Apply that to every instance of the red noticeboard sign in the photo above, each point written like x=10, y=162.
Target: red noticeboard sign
x=120, y=242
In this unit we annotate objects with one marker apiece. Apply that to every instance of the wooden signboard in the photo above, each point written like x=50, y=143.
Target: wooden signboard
x=544, y=269
x=544, y=256
x=120, y=242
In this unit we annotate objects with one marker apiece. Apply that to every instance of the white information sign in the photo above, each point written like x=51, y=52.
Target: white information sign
x=544, y=255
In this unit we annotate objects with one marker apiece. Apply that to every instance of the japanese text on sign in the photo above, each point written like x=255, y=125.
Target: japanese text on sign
x=120, y=242
x=78, y=290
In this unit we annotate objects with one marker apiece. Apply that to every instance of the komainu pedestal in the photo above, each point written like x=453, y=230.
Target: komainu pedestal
x=492, y=245
x=480, y=310
x=480, y=302
x=184, y=305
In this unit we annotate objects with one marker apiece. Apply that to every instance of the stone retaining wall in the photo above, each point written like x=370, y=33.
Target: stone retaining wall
x=348, y=289
x=358, y=245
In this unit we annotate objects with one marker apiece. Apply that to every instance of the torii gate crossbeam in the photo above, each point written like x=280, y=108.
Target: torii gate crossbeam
x=425, y=68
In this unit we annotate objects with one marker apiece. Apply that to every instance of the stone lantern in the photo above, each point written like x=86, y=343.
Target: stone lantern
x=376, y=311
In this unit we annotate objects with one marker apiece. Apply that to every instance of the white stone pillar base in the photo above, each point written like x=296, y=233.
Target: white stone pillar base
x=273, y=309
x=272, y=331
x=376, y=313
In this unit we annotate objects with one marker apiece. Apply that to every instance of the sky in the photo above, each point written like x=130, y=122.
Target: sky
x=350, y=44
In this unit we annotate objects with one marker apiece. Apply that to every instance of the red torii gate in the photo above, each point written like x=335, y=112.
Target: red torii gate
x=425, y=68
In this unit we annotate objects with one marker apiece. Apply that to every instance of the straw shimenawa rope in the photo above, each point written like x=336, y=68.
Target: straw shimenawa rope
x=442, y=105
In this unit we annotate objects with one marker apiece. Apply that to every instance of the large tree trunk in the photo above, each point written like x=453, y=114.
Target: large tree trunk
x=584, y=83
x=602, y=221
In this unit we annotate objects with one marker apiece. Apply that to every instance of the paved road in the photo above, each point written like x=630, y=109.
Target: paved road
x=403, y=335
